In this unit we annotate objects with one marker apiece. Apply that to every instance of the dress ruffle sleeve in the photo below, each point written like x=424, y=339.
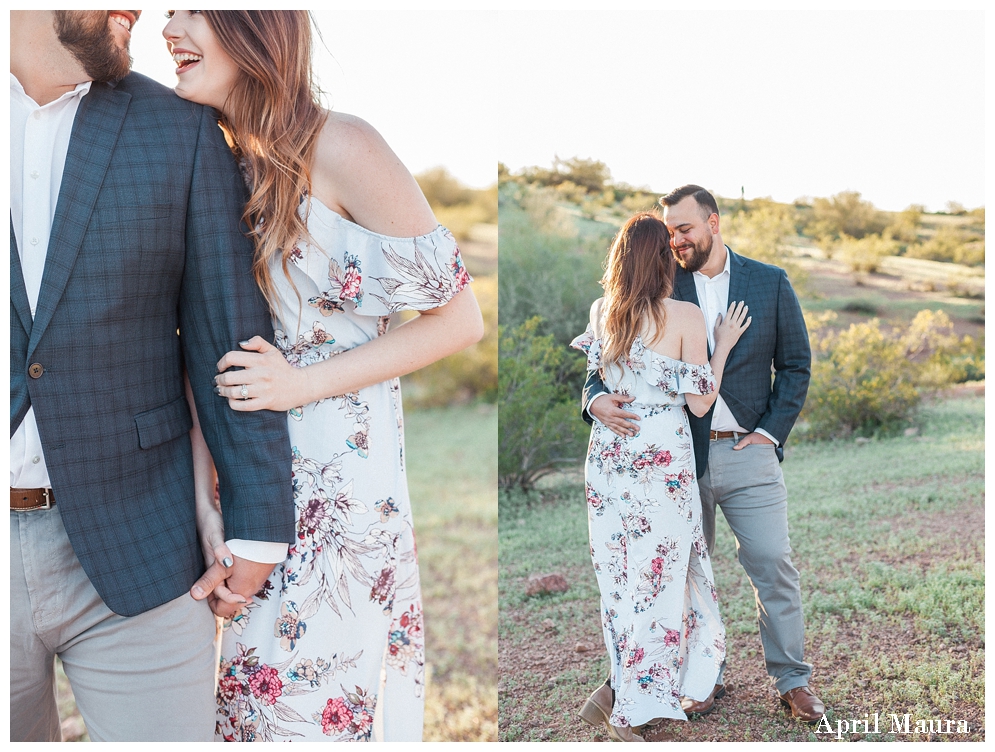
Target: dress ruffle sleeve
x=590, y=345
x=671, y=375
x=381, y=275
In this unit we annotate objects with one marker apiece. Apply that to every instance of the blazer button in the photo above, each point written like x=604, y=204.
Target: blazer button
x=35, y=370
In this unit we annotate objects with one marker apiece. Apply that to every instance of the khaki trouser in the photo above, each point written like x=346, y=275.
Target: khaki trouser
x=749, y=488
x=141, y=678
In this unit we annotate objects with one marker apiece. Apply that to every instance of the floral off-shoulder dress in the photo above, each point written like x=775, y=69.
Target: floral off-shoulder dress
x=659, y=608
x=332, y=649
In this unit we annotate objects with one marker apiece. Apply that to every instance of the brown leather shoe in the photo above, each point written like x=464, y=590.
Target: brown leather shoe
x=623, y=734
x=598, y=707
x=597, y=710
x=703, y=707
x=804, y=705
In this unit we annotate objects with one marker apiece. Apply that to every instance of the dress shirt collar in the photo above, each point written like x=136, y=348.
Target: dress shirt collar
x=725, y=270
x=16, y=89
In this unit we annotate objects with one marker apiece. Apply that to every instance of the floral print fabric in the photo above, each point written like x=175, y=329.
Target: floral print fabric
x=332, y=648
x=659, y=607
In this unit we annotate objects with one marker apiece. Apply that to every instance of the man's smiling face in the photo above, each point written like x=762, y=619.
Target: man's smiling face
x=98, y=39
x=692, y=232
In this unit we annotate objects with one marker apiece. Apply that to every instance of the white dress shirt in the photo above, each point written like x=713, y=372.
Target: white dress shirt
x=713, y=299
x=39, y=143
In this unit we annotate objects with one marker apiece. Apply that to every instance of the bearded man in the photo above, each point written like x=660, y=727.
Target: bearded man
x=739, y=443
x=125, y=232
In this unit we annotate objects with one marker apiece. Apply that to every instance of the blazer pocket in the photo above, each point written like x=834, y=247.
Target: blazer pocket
x=129, y=216
x=163, y=423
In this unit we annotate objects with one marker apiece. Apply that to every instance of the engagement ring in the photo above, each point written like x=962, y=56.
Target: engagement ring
x=244, y=392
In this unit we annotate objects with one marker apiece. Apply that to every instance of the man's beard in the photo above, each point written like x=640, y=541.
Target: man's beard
x=87, y=35
x=694, y=260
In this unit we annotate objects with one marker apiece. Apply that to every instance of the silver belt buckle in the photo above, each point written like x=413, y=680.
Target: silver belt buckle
x=47, y=493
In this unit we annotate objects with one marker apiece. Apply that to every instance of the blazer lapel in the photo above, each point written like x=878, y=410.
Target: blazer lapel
x=739, y=277
x=18, y=295
x=98, y=122
x=684, y=288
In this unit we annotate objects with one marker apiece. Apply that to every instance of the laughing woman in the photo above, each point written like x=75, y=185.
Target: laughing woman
x=331, y=647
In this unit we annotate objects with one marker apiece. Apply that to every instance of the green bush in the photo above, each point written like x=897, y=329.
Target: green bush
x=762, y=232
x=844, y=214
x=865, y=254
x=457, y=206
x=468, y=375
x=539, y=424
x=905, y=225
x=543, y=272
x=868, y=380
x=950, y=244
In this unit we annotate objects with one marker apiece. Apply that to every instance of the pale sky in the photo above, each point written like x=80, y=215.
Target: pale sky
x=424, y=79
x=784, y=104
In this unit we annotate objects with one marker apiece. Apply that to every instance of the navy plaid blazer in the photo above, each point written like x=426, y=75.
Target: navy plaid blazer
x=146, y=244
x=777, y=338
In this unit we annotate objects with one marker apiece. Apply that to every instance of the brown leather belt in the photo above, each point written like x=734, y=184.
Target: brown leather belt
x=29, y=499
x=716, y=435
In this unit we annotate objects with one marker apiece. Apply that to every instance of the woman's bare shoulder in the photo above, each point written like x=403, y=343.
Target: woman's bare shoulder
x=355, y=169
x=683, y=311
x=596, y=308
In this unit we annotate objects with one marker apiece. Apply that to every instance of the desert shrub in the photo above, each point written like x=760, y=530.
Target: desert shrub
x=462, y=218
x=844, y=214
x=540, y=428
x=542, y=207
x=468, y=375
x=977, y=219
x=860, y=306
x=589, y=175
x=865, y=254
x=761, y=232
x=905, y=225
x=950, y=244
x=442, y=189
x=544, y=273
x=458, y=206
x=869, y=380
x=638, y=201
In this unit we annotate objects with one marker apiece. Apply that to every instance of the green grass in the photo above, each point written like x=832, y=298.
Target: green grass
x=893, y=310
x=452, y=475
x=888, y=538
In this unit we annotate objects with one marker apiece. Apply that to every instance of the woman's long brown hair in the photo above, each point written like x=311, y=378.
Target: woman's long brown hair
x=273, y=120
x=639, y=277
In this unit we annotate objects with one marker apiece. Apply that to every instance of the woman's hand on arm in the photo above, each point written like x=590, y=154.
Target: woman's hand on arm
x=273, y=385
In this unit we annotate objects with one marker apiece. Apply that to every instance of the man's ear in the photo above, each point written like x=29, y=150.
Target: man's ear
x=713, y=223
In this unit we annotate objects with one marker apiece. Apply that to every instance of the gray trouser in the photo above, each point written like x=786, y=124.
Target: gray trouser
x=749, y=487
x=140, y=678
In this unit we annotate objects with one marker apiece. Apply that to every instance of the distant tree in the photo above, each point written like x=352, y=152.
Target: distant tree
x=905, y=226
x=588, y=173
x=955, y=207
x=442, y=189
x=844, y=214
x=951, y=244
x=540, y=429
x=867, y=253
x=763, y=233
